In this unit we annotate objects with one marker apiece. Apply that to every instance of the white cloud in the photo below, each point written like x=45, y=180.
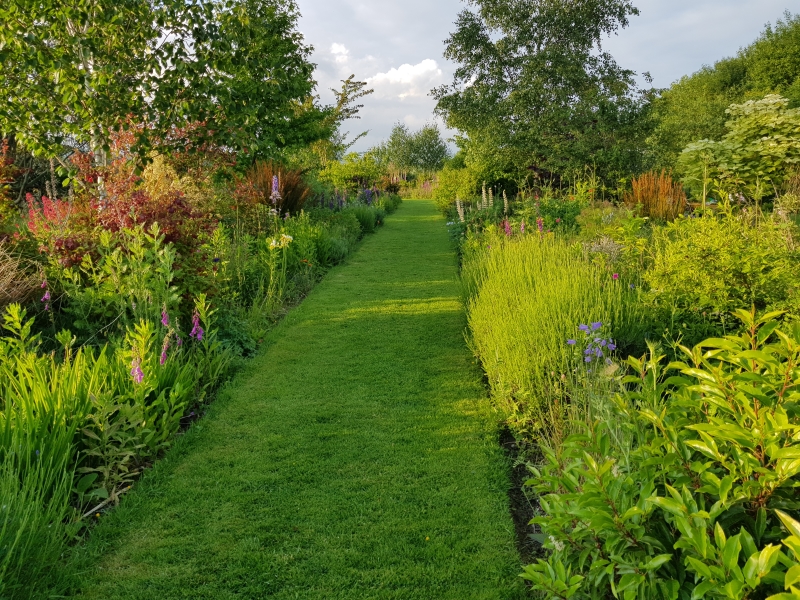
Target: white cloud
x=340, y=52
x=407, y=81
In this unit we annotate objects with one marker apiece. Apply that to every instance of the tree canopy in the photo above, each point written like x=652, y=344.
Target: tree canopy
x=87, y=68
x=695, y=106
x=534, y=85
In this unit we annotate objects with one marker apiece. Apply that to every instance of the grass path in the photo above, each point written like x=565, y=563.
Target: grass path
x=354, y=459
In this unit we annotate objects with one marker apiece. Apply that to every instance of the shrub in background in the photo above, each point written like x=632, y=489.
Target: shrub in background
x=704, y=268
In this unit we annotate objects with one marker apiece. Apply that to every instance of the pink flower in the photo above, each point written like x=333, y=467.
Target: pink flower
x=507, y=227
x=44, y=284
x=615, y=276
x=522, y=227
x=540, y=224
x=136, y=371
x=164, y=317
x=46, y=296
x=197, y=331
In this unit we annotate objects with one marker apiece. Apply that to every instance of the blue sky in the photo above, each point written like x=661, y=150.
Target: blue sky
x=397, y=47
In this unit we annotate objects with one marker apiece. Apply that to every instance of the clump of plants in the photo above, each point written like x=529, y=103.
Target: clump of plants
x=688, y=490
x=657, y=196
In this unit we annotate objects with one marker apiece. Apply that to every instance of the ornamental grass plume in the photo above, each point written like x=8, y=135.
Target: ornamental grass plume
x=17, y=282
x=491, y=197
x=658, y=194
x=505, y=203
x=460, y=210
x=484, y=201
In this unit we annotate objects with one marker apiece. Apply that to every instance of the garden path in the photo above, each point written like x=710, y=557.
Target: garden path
x=356, y=457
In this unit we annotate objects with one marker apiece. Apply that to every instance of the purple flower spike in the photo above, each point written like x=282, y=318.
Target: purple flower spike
x=522, y=227
x=596, y=326
x=571, y=342
x=47, y=307
x=197, y=331
x=46, y=296
x=179, y=342
x=163, y=358
x=136, y=371
x=44, y=284
x=164, y=317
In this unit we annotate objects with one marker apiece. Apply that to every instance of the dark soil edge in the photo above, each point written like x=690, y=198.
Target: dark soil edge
x=522, y=508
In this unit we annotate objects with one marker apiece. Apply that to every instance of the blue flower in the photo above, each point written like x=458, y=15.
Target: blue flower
x=583, y=327
x=588, y=359
x=571, y=342
x=596, y=326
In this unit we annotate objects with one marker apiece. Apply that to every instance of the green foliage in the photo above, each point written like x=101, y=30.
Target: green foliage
x=422, y=151
x=353, y=173
x=526, y=297
x=693, y=108
x=131, y=279
x=77, y=429
x=533, y=87
x=455, y=183
x=754, y=157
x=688, y=501
x=367, y=217
x=704, y=268
x=82, y=70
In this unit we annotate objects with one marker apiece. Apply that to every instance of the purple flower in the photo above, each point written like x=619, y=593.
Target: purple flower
x=178, y=341
x=44, y=284
x=588, y=359
x=611, y=346
x=163, y=358
x=216, y=259
x=522, y=227
x=197, y=331
x=274, y=184
x=631, y=286
x=507, y=227
x=571, y=342
x=615, y=276
x=136, y=371
x=47, y=307
x=46, y=296
x=164, y=317
x=583, y=327
x=540, y=224
x=596, y=326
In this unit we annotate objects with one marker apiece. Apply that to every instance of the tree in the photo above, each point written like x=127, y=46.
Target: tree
x=694, y=107
x=235, y=72
x=422, y=151
x=533, y=79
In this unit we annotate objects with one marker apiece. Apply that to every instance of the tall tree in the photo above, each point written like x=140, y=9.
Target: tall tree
x=87, y=68
x=534, y=80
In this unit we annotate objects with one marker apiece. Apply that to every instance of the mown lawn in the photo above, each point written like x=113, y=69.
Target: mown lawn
x=355, y=459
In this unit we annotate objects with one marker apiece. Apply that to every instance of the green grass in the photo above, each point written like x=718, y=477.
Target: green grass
x=356, y=458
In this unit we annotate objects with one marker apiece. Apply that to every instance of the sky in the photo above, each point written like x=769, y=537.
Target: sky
x=397, y=46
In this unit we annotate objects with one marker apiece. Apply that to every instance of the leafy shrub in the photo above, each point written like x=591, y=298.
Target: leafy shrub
x=526, y=296
x=455, y=183
x=78, y=427
x=683, y=494
x=658, y=195
x=754, y=156
x=704, y=268
x=367, y=217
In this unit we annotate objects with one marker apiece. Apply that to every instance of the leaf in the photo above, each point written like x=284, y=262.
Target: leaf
x=657, y=561
x=85, y=482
